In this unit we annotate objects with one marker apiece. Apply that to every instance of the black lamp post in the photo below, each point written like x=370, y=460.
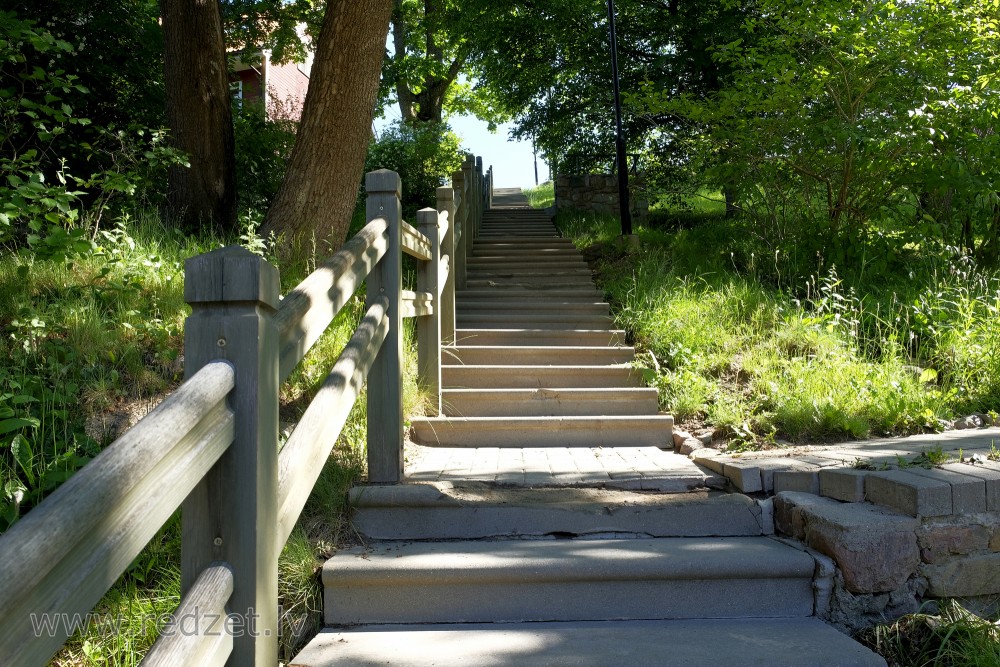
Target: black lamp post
x=622, y=166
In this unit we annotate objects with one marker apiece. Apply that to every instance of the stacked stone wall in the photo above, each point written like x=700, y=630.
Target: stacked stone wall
x=598, y=194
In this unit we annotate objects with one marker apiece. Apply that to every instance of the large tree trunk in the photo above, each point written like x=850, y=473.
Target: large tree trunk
x=320, y=187
x=199, y=115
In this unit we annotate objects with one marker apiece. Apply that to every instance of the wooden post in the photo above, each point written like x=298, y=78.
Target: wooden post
x=460, y=188
x=429, y=326
x=385, y=378
x=489, y=188
x=232, y=514
x=480, y=194
x=472, y=225
x=446, y=203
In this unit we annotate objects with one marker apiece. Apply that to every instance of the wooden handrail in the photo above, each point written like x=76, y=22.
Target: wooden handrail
x=204, y=611
x=211, y=447
x=302, y=457
x=415, y=244
x=65, y=553
x=306, y=312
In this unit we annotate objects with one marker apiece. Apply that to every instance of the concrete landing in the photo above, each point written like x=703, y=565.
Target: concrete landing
x=646, y=468
x=800, y=642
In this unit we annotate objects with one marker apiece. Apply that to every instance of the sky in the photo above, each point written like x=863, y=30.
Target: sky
x=513, y=165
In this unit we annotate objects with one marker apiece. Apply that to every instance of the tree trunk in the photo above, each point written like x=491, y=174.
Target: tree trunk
x=199, y=115
x=320, y=187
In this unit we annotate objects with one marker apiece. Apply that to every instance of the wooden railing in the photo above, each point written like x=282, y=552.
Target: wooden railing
x=211, y=448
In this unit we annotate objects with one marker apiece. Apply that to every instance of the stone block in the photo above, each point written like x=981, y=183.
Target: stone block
x=875, y=548
x=964, y=577
x=995, y=540
x=846, y=484
x=990, y=476
x=803, y=481
x=708, y=458
x=940, y=540
x=968, y=494
x=680, y=436
x=745, y=475
x=690, y=445
x=911, y=494
x=789, y=511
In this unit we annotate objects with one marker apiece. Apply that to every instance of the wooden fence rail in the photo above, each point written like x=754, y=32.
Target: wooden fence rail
x=211, y=448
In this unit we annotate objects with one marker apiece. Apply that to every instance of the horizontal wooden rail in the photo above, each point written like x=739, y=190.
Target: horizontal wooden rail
x=196, y=633
x=303, y=456
x=415, y=244
x=69, y=550
x=417, y=304
x=306, y=312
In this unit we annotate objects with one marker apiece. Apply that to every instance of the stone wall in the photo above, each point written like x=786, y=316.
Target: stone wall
x=598, y=193
x=889, y=563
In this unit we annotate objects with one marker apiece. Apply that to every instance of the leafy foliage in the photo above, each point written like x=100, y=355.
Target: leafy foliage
x=423, y=154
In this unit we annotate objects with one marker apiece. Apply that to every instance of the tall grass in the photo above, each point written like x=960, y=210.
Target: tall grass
x=541, y=196
x=755, y=346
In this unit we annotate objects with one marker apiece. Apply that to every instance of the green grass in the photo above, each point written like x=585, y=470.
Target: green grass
x=104, y=335
x=541, y=196
x=745, y=346
x=952, y=637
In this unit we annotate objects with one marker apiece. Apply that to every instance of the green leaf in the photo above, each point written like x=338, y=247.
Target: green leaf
x=17, y=423
x=21, y=449
x=928, y=375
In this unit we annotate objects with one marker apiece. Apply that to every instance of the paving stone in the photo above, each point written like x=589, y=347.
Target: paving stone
x=968, y=576
x=745, y=475
x=804, y=481
x=968, y=494
x=789, y=508
x=911, y=494
x=709, y=458
x=846, y=484
x=990, y=474
x=689, y=445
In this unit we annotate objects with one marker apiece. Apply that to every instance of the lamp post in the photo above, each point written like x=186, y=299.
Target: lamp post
x=626, y=214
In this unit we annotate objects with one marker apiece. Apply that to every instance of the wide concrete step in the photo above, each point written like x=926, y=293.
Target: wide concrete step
x=532, y=282
x=523, y=244
x=513, y=319
x=468, y=336
x=556, y=273
x=446, y=512
x=505, y=252
x=567, y=580
x=513, y=263
x=762, y=642
x=499, y=376
x=582, y=431
x=587, y=294
x=549, y=402
x=529, y=306
x=542, y=355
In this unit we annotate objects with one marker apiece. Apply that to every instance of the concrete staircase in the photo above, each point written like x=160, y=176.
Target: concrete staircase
x=483, y=573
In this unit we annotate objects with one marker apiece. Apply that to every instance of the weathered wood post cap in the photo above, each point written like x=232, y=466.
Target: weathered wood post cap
x=232, y=273
x=445, y=192
x=479, y=163
x=427, y=217
x=383, y=180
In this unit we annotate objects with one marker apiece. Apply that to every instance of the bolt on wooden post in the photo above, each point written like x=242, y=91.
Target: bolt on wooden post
x=446, y=204
x=429, y=326
x=232, y=514
x=385, y=378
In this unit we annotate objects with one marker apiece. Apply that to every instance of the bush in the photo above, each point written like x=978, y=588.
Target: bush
x=424, y=155
x=263, y=146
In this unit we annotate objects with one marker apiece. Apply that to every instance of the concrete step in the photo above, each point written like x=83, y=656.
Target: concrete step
x=587, y=294
x=567, y=580
x=513, y=319
x=532, y=282
x=467, y=336
x=514, y=243
x=527, y=355
x=509, y=263
x=446, y=512
x=533, y=377
x=763, y=642
x=504, y=271
x=504, y=252
x=585, y=431
x=549, y=402
x=533, y=306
